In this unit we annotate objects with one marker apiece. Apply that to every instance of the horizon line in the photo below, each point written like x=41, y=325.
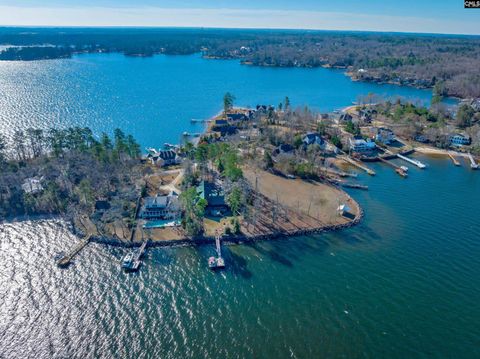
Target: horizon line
x=392, y=32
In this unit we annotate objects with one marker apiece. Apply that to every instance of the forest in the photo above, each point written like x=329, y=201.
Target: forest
x=66, y=171
x=447, y=63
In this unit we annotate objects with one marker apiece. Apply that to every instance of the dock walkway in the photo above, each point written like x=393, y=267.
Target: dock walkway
x=67, y=259
x=412, y=161
x=359, y=165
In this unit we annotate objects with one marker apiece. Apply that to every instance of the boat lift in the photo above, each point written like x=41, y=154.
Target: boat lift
x=217, y=262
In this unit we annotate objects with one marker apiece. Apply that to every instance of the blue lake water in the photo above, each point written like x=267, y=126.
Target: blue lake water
x=155, y=98
x=405, y=283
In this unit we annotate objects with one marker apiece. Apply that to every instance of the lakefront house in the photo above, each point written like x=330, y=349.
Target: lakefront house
x=161, y=207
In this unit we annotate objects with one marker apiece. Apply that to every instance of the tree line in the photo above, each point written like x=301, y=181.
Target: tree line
x=73, y=166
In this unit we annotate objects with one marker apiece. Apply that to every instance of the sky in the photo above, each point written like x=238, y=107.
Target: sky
x=430, y=16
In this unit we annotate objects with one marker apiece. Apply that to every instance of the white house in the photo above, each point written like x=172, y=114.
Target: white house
x=359, y=145
x=32, y=186
x=161, y=207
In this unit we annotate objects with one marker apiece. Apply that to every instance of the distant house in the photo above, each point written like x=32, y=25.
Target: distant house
x=264, y=108
x=346, y=117
x=163, y=158
x=283, y=149
x=460, y=140
x=359, y=145
x=215, y=197
x=237, y=117
x=101, y=206
x=385, y=136
x=313, y=138
x=32, y=185
x=161, y=208
x=421, y=138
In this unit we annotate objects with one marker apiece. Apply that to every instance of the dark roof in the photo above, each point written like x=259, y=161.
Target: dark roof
x=221, y=122
x=102, y=205
x=167, y=155
x=213, y=194
x=237, y=117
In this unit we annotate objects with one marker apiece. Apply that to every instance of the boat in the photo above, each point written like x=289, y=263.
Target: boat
x=130, y=262
x=404, y=168
x=216, y=263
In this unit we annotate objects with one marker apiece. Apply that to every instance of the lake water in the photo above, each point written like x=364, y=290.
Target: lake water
x=405, y=283
x=155, y=98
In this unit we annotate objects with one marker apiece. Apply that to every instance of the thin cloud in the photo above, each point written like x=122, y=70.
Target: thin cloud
x=227, y=18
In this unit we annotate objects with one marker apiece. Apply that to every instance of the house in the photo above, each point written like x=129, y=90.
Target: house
x=237, y=117
x=460, y=140
x=313, y=138
x=163, y=158
x=346, y=117
x=32, y=185
x=101, y=206
x=421, y=138
x=359, y=145
x=385, y=135
x=283, y=149
x=161, y=207
x=215, y=197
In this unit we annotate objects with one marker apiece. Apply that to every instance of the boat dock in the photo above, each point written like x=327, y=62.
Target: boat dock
x=67, y=259
x=398, y=169
x=454, y=160
x=217, y=262
x=359, y=165
x=412, y=161
x=131, y=262
x=196, y=120
x=473, y=164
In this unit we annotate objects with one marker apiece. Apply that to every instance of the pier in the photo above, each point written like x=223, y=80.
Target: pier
x=67, y=259
x=473, y=164
x=412, y=161
x=399, y=170
x=359, y=165
x=217, y=262
x=454, y=160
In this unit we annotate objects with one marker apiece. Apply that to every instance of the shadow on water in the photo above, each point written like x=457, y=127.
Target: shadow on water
x=238, y=264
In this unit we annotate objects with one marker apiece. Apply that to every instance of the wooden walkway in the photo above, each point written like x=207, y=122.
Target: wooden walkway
x=454, y=160
x=67, y=259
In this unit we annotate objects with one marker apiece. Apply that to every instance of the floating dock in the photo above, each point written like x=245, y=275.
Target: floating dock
x=217, y=262
x=454, y=160
x=67, y=259
x=473, y=164
x=412, y=161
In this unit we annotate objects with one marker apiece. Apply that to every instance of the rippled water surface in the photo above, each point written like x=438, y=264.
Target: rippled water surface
x=155, y=98
x=403, y=284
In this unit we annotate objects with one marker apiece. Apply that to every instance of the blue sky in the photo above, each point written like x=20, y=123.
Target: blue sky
x=438, y=16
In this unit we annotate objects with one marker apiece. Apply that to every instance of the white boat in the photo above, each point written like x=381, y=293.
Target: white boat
x=404, y=168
